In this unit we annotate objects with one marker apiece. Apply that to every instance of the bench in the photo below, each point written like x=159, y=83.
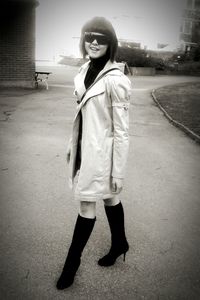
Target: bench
x=42, y=76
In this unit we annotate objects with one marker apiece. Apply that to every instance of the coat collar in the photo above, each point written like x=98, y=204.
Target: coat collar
x=108, y=65
x=96, y=89
x=79, y=80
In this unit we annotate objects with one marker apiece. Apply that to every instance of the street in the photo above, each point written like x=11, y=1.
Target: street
x=161, y=200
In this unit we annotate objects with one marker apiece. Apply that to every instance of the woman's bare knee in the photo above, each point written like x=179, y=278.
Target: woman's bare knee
x=112, y=201
x=87, y=209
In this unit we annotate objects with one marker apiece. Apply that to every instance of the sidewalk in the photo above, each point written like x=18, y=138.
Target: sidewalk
x=161, y=202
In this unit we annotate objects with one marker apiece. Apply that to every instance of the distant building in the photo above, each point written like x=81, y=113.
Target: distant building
x=129, y=44
x=17, y=42
x=190, y=27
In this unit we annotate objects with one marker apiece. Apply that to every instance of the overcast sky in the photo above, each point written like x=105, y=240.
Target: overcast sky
x=59, y=22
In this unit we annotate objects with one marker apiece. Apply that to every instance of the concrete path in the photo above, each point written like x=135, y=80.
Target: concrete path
x=37, y=213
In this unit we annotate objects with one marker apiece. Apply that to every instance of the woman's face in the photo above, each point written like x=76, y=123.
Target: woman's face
x=96, y=44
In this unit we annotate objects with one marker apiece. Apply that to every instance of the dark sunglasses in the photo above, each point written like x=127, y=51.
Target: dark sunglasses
x=101, y=39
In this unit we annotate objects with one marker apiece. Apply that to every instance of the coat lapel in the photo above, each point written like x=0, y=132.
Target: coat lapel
x=97, y=89
x=79, y=81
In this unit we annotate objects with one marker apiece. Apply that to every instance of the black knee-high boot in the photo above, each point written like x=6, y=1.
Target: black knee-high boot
x=119, y=244
x=82, y=231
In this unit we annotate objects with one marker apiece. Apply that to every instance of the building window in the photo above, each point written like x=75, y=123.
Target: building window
x=187, y=27
x=189, y=4
x=197, y=5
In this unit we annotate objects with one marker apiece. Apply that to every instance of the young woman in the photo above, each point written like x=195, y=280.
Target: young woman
x=98, y=148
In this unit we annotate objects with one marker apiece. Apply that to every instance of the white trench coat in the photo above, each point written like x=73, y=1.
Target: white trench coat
x=105, y=138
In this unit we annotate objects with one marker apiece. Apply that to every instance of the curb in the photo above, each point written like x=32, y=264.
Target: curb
x=185, y=129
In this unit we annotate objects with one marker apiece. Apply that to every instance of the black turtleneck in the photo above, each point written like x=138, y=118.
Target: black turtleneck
x=95, y=66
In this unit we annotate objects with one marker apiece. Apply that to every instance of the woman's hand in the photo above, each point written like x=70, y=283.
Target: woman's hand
x=117, y=185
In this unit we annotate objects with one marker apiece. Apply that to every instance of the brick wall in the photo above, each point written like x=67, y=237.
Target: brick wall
x=17, y=43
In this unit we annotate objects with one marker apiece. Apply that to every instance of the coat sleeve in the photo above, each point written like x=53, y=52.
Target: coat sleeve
x=120, y=91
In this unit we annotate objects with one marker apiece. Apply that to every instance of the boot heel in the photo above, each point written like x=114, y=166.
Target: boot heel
x=124, y=256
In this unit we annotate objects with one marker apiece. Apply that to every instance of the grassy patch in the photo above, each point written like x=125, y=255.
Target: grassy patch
x=182, y=103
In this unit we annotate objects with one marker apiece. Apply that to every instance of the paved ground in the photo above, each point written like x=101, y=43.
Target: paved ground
x=161, y=201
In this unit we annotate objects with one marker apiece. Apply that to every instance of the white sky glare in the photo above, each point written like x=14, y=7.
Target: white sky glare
x=146, y=21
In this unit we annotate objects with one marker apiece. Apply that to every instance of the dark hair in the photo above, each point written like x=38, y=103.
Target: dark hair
x=100, y=25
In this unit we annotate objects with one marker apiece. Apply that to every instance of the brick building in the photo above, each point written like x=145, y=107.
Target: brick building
x=17, y=42
x=190, y=27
